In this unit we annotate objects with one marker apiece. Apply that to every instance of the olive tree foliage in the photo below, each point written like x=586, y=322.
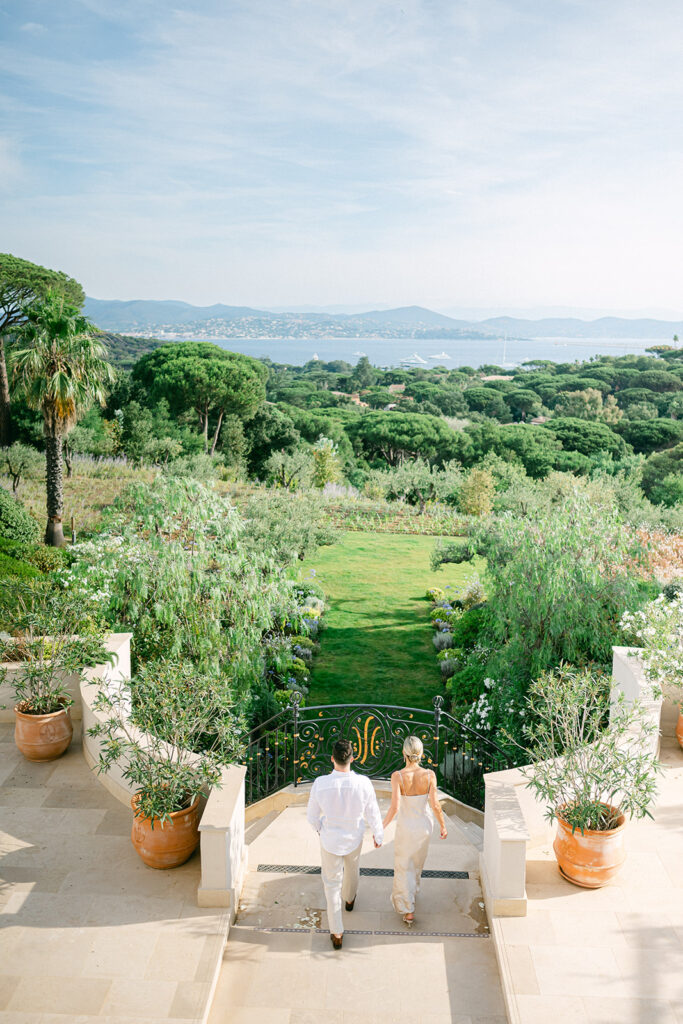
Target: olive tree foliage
x=196, y=376
x=21, y=461
x=417, y=483
x=290, y=469
x=598, y=776
x=60, y=369
x=20, y=283
x=557, y=583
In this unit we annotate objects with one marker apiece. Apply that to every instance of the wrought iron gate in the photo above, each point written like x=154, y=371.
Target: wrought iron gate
x=295, y=746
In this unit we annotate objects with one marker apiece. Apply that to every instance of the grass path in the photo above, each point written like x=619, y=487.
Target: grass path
x=378, y=644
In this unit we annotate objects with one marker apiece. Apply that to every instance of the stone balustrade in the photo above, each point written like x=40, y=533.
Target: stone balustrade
x=223, y=848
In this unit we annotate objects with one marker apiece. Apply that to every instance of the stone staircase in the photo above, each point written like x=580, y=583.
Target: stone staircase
x=279, y=965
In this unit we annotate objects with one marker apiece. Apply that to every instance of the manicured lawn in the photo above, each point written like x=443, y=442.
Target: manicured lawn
x=378, y=644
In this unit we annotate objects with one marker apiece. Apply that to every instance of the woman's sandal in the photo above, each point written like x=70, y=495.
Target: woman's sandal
x=409, y=920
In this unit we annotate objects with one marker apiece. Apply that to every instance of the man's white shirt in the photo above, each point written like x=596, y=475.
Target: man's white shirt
x=339, y=807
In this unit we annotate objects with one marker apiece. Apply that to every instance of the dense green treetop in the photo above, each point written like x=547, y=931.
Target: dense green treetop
x=199, y=376
x=658, y=380
x=650, y=435
x=396, y=436
x=269, y=430
x=21, y=282
x=587, y=437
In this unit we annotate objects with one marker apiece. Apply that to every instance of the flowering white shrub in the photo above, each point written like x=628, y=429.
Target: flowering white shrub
x=472, y=593
x=658, y=630
x=494, y=705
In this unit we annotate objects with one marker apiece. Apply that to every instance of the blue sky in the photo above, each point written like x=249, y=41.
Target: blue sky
x=484, y=154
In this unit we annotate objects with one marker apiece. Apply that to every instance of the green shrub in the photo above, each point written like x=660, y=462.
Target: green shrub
x=673, y=589
x=448, y=615
x=469, y=627
x=21, y=570
x=436, y=594
x=298, y=669
x=284, y=698
x=669, y=491
x=466, y=685
x=308, y=588
x=13, y=548
x=15, y=522
x=305, y=642
x=44, y=558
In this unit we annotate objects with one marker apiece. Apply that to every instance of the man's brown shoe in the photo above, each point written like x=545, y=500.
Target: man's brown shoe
x=349, y=906
x=336, y=940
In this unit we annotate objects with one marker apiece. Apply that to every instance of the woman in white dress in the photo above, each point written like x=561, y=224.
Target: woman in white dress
x=413, y=797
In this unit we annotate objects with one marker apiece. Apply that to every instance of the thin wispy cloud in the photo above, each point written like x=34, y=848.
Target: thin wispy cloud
x=288, y=151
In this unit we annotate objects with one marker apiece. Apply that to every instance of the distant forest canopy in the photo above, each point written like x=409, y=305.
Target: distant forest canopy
x=333, y=422
x=124, y=350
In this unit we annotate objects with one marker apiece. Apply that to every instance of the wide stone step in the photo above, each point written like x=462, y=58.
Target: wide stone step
x=295, y=977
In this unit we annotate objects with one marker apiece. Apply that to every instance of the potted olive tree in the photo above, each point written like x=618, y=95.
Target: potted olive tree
x=592, y=766
x=42, y=664
x=657, y=628
x=168, y=733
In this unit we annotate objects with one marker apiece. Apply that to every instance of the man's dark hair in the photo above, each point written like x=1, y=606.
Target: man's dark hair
x=342, y=752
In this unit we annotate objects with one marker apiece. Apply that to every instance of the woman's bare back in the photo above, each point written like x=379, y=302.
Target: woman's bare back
x=415, y=781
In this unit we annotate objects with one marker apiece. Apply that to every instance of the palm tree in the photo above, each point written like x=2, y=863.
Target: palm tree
x=60, y=369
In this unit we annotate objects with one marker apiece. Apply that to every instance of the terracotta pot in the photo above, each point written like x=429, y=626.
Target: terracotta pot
x=591, y=858
x=43, y=737
x=679, y=729
x=170, y=844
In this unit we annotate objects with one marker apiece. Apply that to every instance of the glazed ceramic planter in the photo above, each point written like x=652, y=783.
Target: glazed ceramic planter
x=590, y=859
x=42, y=737
x=170, y=844
x=679, y=729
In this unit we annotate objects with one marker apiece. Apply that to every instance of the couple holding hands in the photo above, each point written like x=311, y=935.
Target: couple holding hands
x=342, y=803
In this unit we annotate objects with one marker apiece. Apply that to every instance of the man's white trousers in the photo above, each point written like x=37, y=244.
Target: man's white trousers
x=340, y=874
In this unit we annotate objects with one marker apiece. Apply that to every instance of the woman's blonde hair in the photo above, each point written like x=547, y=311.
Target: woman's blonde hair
x=413, y=749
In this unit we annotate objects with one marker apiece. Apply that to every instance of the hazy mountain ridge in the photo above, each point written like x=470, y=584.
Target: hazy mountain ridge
x=171, y=318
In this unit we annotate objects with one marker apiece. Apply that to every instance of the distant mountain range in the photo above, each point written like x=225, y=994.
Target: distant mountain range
x=171, y=319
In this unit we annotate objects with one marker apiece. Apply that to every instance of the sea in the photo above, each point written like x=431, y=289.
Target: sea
x=393, y=352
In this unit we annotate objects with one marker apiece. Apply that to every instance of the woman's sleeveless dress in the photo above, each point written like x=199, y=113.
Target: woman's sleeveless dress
x=413, y=832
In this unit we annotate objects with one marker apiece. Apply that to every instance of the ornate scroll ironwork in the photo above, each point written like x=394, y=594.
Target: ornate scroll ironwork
x=376, y=731
x=296, y=745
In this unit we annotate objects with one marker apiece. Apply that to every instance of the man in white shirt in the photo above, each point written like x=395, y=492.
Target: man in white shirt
x=339, y=807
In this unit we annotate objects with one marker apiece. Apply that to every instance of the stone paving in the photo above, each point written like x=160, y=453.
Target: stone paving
x=295, y=977
x=88, y=933
x=611, y=955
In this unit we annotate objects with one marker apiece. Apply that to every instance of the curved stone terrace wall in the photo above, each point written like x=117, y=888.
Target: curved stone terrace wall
x=222, y=846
